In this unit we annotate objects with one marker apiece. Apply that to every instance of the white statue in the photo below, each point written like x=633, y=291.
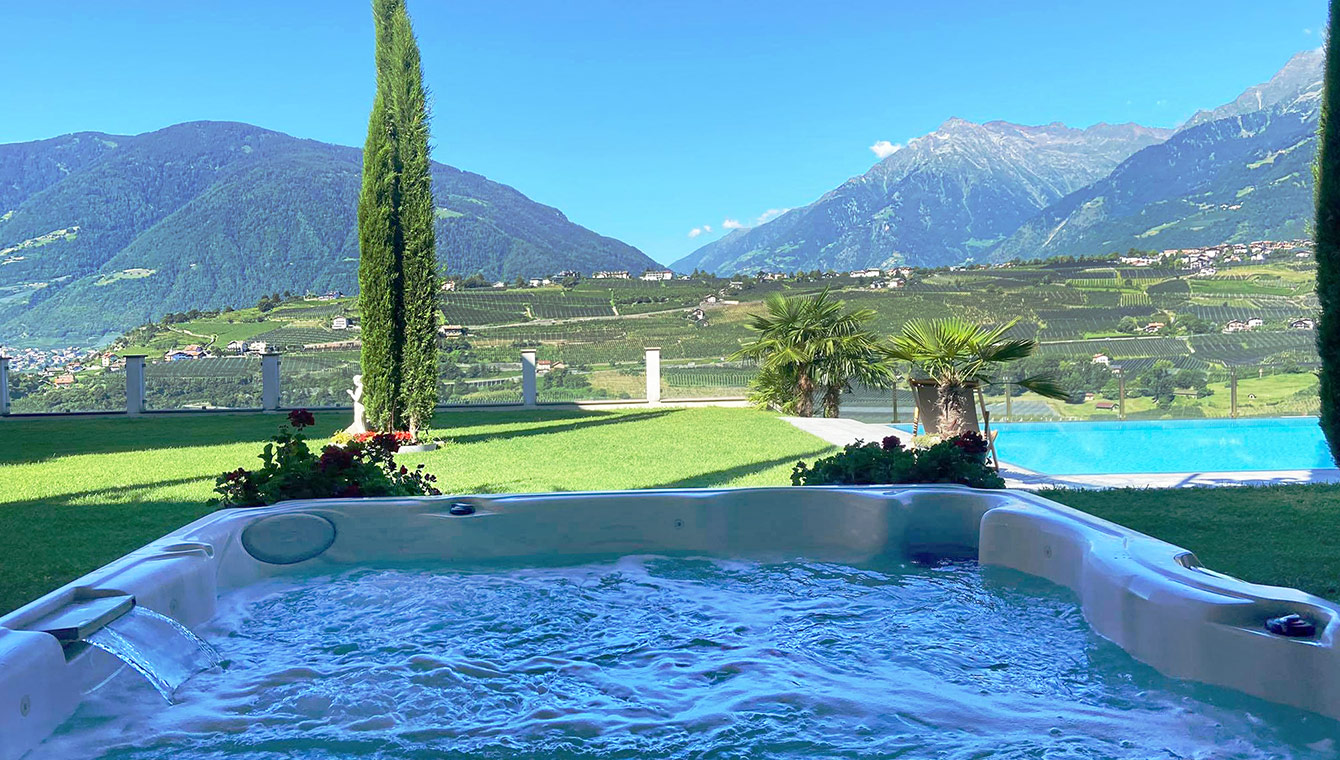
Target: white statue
x=360, y=416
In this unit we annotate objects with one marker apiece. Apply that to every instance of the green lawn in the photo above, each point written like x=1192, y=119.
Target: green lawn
x=1281, y=535
x=75, y=493
x=78, y=492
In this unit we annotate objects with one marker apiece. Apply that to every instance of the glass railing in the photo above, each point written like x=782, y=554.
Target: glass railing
x=706, y=379
x=317, y=378
x=94, y=389
x=224, y=382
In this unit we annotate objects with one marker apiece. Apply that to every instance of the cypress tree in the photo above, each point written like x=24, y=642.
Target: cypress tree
x=417, y=213
x=397, y=252
x=1326, y=175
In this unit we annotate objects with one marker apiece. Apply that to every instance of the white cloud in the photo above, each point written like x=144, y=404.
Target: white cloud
x=707, y=228
x=884, y=148
x=731, y=224
x=769, y=215
x=695, y=232
x=1308, y=32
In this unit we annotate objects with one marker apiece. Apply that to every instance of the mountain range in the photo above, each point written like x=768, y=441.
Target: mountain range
x=998, y=191
x=99, y=233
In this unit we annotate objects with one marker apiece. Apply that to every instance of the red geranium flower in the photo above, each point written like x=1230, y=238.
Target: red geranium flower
x=301, y=418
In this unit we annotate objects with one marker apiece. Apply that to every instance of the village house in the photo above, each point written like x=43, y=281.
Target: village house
x=860, y=273
x=1306, y=323
x=1154, y=327
x=330, y=295
x=697, y=315
x=237, y=346
x=339, y=323
x=1235, y=325
x=193, y=351
x=710, y=299
x=449, y=286
x=1102, y=359
x=616, y=274
x=658, y=275
x=257, y=347
x=452, y=331
x=108, y=359
x=1137, y=261
x=63, y=381
x=1255, y=322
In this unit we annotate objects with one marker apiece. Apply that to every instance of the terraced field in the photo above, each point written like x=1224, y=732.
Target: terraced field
x=600, y=329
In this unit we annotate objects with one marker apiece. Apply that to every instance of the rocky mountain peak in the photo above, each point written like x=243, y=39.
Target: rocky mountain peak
x=1299, y=75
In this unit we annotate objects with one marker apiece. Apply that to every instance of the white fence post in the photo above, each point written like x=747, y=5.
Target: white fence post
x=270, y=381
x=134, y=384
x=528, y=377
x=653, y=375
x=4, y=385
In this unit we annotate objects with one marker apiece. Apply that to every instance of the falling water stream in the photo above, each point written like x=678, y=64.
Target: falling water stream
x=159, y=648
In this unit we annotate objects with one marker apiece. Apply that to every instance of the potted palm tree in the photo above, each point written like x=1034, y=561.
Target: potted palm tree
x=811, y=345
x=957, y=357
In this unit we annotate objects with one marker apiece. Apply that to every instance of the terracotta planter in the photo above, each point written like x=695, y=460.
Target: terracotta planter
x=926, y=394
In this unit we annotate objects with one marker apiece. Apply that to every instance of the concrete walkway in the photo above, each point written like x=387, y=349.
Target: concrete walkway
x=841, y=432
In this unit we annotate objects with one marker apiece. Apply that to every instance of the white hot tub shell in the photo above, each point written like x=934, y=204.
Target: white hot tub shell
x=1150, y=597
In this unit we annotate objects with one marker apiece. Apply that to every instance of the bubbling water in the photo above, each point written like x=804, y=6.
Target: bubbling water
x=653, y=657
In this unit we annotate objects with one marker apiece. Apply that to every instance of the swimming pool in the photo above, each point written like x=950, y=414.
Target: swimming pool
x=1151, y=446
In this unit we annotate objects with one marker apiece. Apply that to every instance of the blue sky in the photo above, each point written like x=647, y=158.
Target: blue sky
x=644, y=120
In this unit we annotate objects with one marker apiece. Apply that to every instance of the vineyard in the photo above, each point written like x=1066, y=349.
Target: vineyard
x=1118, y=348
x=601, y=328
x=1254, y=347
x=488, y=308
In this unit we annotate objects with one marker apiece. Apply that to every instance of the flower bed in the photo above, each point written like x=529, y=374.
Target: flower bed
x=363, y=466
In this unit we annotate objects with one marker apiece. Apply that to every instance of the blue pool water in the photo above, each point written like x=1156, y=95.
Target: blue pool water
x=1086, y=448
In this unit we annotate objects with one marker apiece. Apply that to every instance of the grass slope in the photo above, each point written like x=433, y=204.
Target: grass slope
x=76, y=493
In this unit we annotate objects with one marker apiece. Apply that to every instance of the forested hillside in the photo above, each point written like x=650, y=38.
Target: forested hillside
x=99, y=232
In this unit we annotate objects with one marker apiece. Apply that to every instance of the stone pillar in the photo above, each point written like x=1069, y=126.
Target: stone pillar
x=653, y=375
x=528, y=377
x=4, y=385
x=1233, y=392
x=134, y=384
x=270, y=381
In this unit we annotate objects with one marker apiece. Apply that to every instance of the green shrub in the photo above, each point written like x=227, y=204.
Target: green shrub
x=961, y=459
x=350, y=470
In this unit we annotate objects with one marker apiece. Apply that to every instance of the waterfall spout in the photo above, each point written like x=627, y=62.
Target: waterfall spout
x=159, y=648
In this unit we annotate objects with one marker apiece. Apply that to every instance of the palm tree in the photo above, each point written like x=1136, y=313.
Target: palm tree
x=958, y=356
x=812, y=343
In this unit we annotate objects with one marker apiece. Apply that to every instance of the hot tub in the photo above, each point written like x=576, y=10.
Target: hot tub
x=772, y=620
